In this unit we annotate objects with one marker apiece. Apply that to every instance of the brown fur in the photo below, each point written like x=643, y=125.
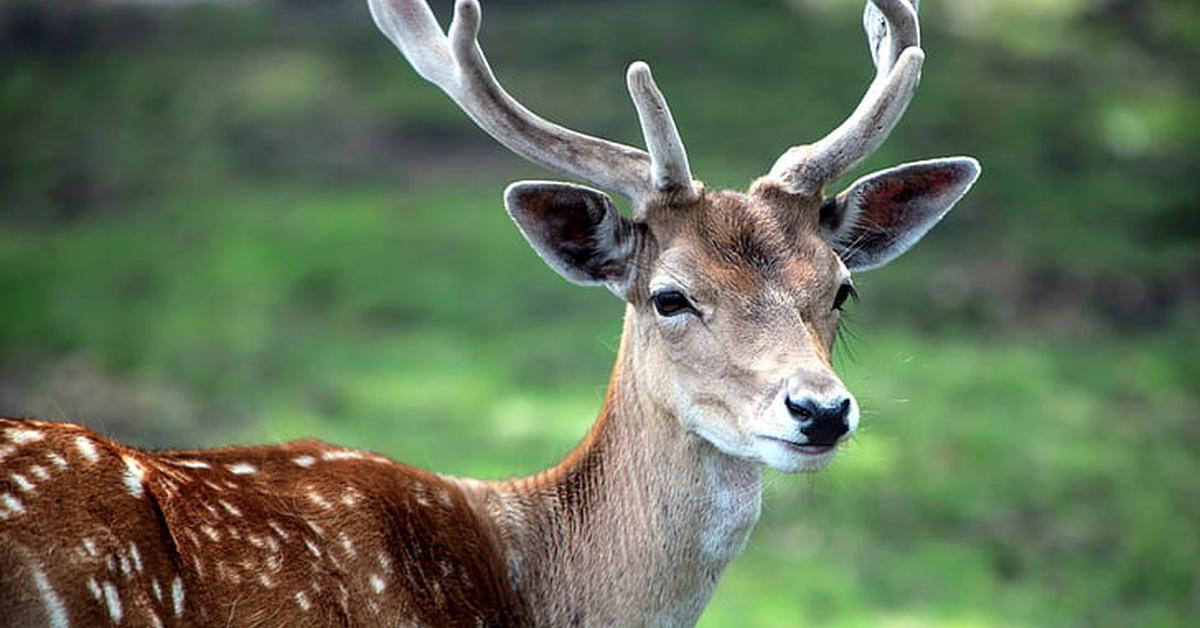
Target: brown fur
x=365, y=540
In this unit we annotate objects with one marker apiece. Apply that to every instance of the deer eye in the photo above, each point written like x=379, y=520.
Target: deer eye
x=672, y=303
x=845, y=291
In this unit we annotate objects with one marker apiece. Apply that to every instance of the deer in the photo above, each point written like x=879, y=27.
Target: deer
x=724, y=369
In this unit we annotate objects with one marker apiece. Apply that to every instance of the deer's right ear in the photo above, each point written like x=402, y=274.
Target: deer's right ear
x=577, y=230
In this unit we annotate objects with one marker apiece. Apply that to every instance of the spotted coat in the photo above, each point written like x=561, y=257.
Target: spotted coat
x=93, y=533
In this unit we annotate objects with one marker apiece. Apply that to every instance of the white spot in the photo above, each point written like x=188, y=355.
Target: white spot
x=256, y=540
x=445, y=567
x=271, y=523
x=137, y=557
x=212, y=510
x=177, y=595
x=351, y=496
x=304, y=461
x=193, y=464
x=6, y=451
x=302, y=600
x=126, y=569
x=230, y=508
x=12, y=506
x=374, y=606
x=377, y=583
x=385, y=563
x=94, y=588
x=23, y=484
x=154, y=620
x=272, y=543
x=55, y=611
x=133, y=476
x=21, y=437
x=233, y=532
x=113, y=600
x=90, y=546
x=274, y=562
x=347, y=545
x=241, y=468
x=156, y=589
x=211, y=532
x=341, y=455
x=111, y=561
x=87, y=449
x=266, y=581
x=312, y=548
x=57, y=460
x=214, y=486
x=316, y=498
x=39, y=472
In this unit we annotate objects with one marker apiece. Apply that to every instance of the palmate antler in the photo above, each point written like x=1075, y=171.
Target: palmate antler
x=455, y=63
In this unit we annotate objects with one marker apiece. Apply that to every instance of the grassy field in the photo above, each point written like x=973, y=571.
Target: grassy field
x=226, y=224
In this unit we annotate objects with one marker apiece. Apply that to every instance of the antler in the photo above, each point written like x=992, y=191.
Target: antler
x=894, y=40
x=456, y=64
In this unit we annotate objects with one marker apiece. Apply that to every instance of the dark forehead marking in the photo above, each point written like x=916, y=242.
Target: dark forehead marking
x=737, y=232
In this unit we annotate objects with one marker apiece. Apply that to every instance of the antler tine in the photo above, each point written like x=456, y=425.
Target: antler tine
x=893, y=37
x=456, y=64
x=886, y=43
x=669, y=169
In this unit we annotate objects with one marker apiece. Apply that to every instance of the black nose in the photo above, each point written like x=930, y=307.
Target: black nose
x=822, y=424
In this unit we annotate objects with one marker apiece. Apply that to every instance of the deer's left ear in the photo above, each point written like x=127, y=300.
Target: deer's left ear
x=884, y=213
x=576, y=230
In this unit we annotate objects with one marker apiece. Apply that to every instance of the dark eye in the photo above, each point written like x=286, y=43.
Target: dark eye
x=845, y=291
x=671, y=303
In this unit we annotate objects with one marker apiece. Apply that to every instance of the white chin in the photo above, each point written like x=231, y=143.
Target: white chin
x=789, y=459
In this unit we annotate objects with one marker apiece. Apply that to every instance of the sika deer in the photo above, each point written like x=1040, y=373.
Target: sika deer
x=733, y=303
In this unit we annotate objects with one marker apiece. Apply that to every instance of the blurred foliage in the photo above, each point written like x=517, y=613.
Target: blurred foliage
x=229, y=222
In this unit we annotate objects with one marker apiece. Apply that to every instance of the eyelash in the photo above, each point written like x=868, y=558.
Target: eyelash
x=845, y=291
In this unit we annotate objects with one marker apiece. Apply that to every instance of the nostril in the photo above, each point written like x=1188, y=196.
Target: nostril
x=843, y=410
x=803, y=410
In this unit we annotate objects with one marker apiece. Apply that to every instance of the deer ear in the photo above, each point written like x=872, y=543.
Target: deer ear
x=577, y=230
x=884, y=213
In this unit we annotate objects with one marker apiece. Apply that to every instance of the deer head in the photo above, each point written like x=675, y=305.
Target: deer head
x=733, y=298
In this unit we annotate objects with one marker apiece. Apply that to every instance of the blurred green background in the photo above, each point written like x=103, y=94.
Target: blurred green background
x=236, y=222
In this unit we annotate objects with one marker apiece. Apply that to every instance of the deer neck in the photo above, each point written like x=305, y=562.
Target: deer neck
x=634, y=526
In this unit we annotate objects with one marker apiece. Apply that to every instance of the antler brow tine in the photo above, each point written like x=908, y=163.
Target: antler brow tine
x=456, y=64
x=669, y=163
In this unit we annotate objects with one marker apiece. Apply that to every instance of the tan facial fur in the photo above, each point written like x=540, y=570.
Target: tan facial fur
x=763, y=284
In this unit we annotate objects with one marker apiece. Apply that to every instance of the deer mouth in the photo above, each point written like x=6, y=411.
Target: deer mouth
x=807, y=449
